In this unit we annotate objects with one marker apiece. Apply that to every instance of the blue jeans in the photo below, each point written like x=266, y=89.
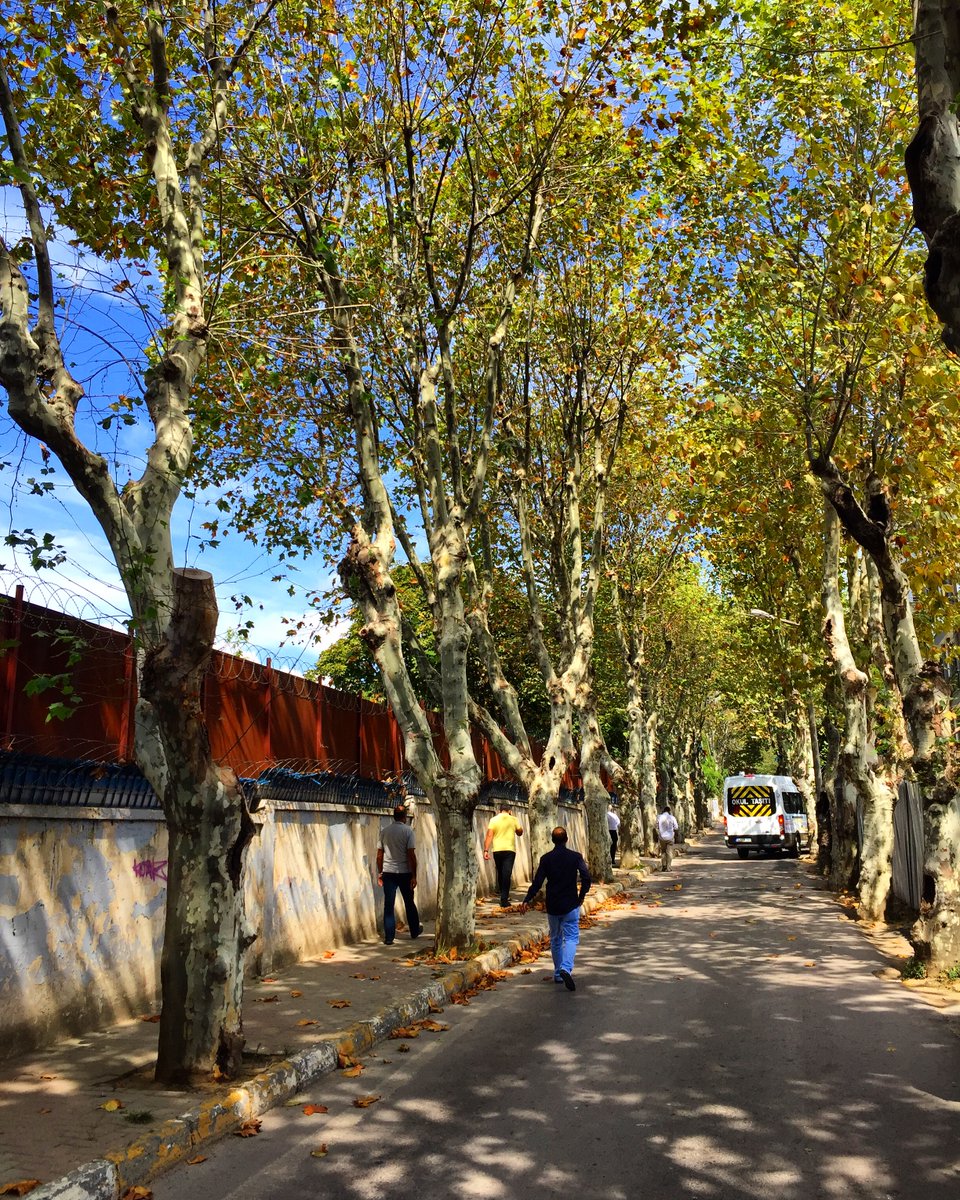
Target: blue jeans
x=391, y=885
x=564, y=936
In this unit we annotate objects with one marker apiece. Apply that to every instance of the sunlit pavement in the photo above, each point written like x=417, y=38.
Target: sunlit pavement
x=728, y=1038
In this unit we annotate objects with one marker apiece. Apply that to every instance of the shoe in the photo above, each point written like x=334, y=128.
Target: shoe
x=415, y=933
x=558, y=979
x=386, y=943
x=568, y=981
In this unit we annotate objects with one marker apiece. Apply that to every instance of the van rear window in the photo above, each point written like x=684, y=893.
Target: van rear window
x=750, y=800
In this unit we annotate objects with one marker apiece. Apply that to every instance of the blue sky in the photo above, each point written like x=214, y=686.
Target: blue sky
x=107, y=321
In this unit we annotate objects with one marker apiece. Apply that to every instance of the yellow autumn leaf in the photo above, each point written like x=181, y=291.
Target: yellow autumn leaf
x=20, y=1188
x=365, y=1101
x=111, y=1105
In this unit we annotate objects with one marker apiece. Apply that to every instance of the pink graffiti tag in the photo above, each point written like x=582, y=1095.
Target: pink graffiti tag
x=151, y=869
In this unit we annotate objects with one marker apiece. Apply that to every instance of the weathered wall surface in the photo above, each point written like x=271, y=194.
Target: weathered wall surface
x=82, y=894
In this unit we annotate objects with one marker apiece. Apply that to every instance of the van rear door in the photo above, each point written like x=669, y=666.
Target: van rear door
x=751, y=811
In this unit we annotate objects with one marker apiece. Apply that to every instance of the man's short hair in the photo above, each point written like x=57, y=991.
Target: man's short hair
x=400, y=813
x=504, y=806
x=559, y=835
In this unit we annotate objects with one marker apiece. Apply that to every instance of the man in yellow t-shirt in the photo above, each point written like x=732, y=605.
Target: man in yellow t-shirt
x=502, y=834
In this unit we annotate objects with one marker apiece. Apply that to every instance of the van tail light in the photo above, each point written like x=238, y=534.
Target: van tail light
x=724, y=822
x=783, y=828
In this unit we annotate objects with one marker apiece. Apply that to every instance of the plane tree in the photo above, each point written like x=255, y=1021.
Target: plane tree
x=115, y=122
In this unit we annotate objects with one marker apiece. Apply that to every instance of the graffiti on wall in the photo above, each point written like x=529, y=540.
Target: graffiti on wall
x=151, y=868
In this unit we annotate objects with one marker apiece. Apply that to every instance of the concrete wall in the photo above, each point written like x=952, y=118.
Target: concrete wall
x=82, y=895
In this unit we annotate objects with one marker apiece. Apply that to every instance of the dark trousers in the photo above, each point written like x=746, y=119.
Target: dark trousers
x=503, y=861
x=391, y=885
x=614, y=838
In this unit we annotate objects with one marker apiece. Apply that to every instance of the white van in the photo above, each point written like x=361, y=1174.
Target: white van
x=764, y=813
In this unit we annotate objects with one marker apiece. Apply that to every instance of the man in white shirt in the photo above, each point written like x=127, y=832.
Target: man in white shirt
x=667, y=832
x=613, y=824
x=397, y=872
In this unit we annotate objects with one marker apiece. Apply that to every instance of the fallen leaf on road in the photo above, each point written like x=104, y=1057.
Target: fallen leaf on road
x=296, y=995
x=434, y=1007
x=329, y=953
x=111, y=1105
x=374, y=976
x=891, y=1049
x=791, y=937
x=320, y=1152
x=434, y=1026
x=249, y=1128
x=152, y=1018
x=269, y=979
x=266, y=999
x=137, y=1193
x=306, y=1021
x=813, y=964
x=713, y=935
x=346, y=1060
x=196, y=1160
x=54, y=1076
x=798, y=885
x=525, y=971
x=20, y=1188
x=339, y=1003
x=353, y=1072
x=310, y=1109
x=677, y=887
x=43, y=1111
x=365, y=1101
x=403, y=1048
x=405, y=1031
x=359, y=975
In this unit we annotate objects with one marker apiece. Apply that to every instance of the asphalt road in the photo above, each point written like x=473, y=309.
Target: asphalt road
x=731, y=1041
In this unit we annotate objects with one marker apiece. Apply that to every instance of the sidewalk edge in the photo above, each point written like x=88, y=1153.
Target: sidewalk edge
x=140, y=1161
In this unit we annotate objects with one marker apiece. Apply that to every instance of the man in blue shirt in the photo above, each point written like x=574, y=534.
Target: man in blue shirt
x=560, y=868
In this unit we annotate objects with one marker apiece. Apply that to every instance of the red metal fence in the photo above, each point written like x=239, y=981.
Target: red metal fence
x=257, y=716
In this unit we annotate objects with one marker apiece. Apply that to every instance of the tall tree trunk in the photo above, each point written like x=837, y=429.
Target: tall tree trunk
x=596, y=799
x=648, y=782
x=458, y=870
x=936, y=934
x=201, y=967
x=863, y=787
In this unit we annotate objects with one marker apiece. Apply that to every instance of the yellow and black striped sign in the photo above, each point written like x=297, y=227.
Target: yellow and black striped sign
x=751, y=800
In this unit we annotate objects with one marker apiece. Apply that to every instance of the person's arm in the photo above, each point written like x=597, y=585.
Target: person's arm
x=535, y=887
x=519, y=831
x=380, y=866
x=412, y=863
x=585, y=880
x=487, y=842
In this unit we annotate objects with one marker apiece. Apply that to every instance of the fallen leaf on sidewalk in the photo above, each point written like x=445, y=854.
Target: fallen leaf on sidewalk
x=111, y=1105
x=434, y=1026
x=306, y=1021
x=266, y=999
x=346, y=1060
x=365, y=1101
x=152, y=1018
x=527, y=971
x=310, y=1109
x=296, y=995
x=354, y=1071
x=249, y=1128
x=434, y=1007
x=328, y=954
x=197, y=1158
x=137, y=1193
x=339, y=1003
x=320, y=1152
x=20, y=1188
x=405, y=1031
x=269, y=979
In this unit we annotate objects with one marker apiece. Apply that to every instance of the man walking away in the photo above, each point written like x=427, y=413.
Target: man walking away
x=560, y=868
x=667, y=832
x=397, y=872
x=502, y=834
x=613, y=824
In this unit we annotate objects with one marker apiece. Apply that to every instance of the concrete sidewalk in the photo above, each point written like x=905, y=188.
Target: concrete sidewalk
x=86, y=1119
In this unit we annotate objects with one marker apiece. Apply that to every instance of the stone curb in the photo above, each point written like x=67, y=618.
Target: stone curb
x=140, y=1161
